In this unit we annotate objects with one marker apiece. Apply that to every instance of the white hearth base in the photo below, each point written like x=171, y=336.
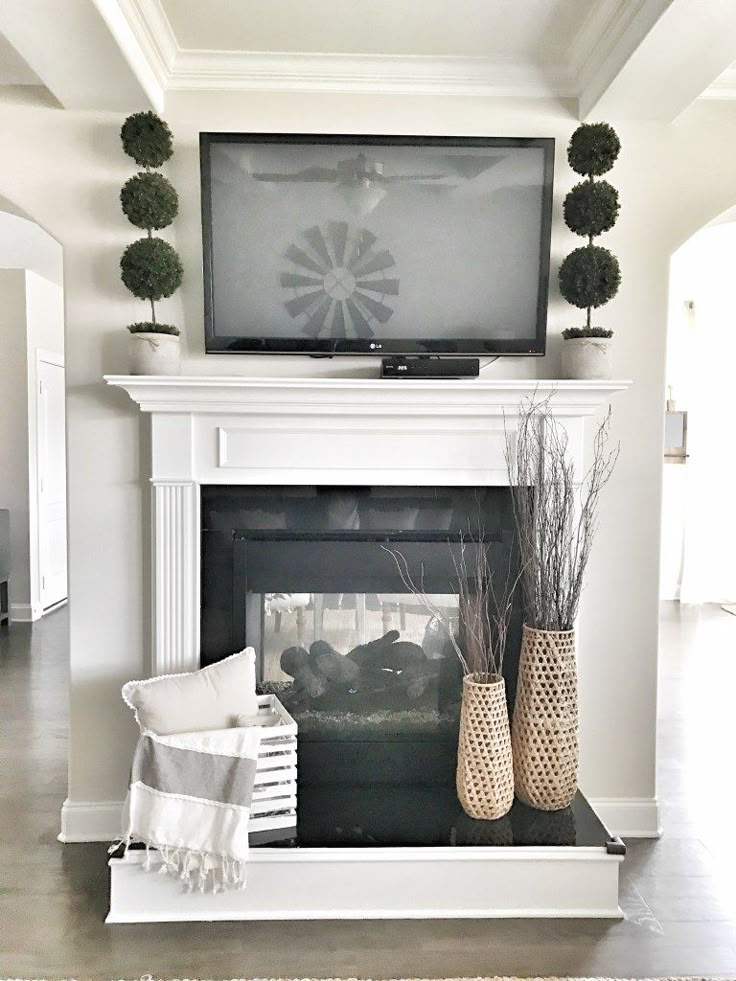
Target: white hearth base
x=382, y=883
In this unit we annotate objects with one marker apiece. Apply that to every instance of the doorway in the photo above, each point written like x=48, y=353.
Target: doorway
x=51, y=473
x=698, y=527
x=32, y=424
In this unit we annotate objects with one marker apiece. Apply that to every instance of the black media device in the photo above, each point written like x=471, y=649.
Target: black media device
x=430, y=367
x=376, y=245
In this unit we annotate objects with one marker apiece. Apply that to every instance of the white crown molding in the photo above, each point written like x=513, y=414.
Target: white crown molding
x=152, y=30
x=724, y=87
x=183, y=69
x=373, y=73
x=599, y=31
x=604, y=42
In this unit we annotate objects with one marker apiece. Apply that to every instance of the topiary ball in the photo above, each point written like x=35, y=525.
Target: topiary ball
x=591, y=208
x=589, y=277
x=151, y=269
x=593, y=149
x=149, y=200
x=147, y=139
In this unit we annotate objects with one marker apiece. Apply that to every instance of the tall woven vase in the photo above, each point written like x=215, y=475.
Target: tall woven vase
x=485, y=771
x=545, y=724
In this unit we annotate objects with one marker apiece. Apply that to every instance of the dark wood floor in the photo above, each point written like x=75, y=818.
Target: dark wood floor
x=679, y=892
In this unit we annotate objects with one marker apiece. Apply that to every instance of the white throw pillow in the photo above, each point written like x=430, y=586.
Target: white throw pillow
x=211, y=698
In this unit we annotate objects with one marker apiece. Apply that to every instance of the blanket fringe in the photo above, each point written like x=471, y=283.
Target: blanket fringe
x=201, y=870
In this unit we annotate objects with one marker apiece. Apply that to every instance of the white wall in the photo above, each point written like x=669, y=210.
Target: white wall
x=31, y=320
x=672, y=180
x=23, y=245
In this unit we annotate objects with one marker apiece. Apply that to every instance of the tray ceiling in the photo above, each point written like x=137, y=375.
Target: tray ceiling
x=537, y=31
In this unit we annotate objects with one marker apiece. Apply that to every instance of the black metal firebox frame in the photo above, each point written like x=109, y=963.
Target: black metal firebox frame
x=240, y=563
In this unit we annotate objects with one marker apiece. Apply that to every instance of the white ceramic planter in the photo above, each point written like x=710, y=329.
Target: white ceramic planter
x=587, y=357
x=154, y=354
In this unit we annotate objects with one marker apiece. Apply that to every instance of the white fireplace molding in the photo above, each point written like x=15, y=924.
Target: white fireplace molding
x=250, y=431
x=371, y=432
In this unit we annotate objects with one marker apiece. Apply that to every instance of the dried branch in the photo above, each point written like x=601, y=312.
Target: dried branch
x=484, y=607
x=556, y=516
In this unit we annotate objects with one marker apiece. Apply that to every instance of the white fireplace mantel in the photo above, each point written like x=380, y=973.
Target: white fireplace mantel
x=249, y=431
x=210, y=430
x=364, y=396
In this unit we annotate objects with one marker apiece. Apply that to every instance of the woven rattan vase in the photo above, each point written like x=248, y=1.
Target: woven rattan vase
x=545, y=724
x=485, y=771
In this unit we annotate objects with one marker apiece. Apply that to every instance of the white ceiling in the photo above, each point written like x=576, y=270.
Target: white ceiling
x=13, y=69
x=616, y=59
x=528, y=30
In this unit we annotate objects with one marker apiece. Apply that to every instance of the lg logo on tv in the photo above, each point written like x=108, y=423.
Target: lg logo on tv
x=376, y=347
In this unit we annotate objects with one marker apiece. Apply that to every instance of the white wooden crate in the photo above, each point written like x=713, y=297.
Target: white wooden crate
x=274, y=793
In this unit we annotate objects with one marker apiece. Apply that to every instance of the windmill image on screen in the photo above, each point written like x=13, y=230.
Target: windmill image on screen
x=375, y=245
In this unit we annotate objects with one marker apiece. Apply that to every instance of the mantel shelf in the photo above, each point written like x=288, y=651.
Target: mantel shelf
x=364, y=396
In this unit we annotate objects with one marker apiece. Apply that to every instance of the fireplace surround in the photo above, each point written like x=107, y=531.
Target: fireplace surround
x=228, y=432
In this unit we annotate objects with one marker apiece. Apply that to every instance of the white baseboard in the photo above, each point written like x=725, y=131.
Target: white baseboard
x=635, y=817
x=90, y=820
x=55, y=606
x=100, y=820
x=25, y=612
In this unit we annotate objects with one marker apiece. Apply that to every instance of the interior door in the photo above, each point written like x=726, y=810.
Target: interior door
x=51, y=483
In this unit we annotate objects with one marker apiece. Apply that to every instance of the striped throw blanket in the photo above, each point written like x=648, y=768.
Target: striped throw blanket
x=189, y=799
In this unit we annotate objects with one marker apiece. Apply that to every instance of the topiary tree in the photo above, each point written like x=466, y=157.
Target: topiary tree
x=150, y=267
x=590, y=275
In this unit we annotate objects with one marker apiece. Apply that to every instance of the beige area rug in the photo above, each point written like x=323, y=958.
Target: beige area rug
x=149, y=977
x=729, y=608
x=721, y=977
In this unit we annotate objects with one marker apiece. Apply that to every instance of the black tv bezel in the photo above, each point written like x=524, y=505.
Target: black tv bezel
x=379, y=347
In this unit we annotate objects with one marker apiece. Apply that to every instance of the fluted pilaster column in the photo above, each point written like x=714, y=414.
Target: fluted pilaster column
x=175, y=577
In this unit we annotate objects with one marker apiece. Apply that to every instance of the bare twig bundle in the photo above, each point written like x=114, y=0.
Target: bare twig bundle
x=556, y=516
x=484, y=607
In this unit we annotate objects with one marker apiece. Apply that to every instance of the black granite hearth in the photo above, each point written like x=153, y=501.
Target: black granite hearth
x=411, y=816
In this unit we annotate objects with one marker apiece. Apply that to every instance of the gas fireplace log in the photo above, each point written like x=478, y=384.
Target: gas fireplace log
x=418, y=677
x=310, y=684
x=293, y=660
x=372, y=652
x=385, y=673
x=326, y=661
x=402, y=655
x=320, y=647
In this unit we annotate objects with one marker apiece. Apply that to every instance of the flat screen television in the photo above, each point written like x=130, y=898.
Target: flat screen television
x=375, y=245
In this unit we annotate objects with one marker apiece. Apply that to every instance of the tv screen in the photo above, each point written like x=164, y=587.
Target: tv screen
x=375, y=245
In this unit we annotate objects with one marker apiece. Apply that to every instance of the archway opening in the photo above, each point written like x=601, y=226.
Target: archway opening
x=33, y=522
